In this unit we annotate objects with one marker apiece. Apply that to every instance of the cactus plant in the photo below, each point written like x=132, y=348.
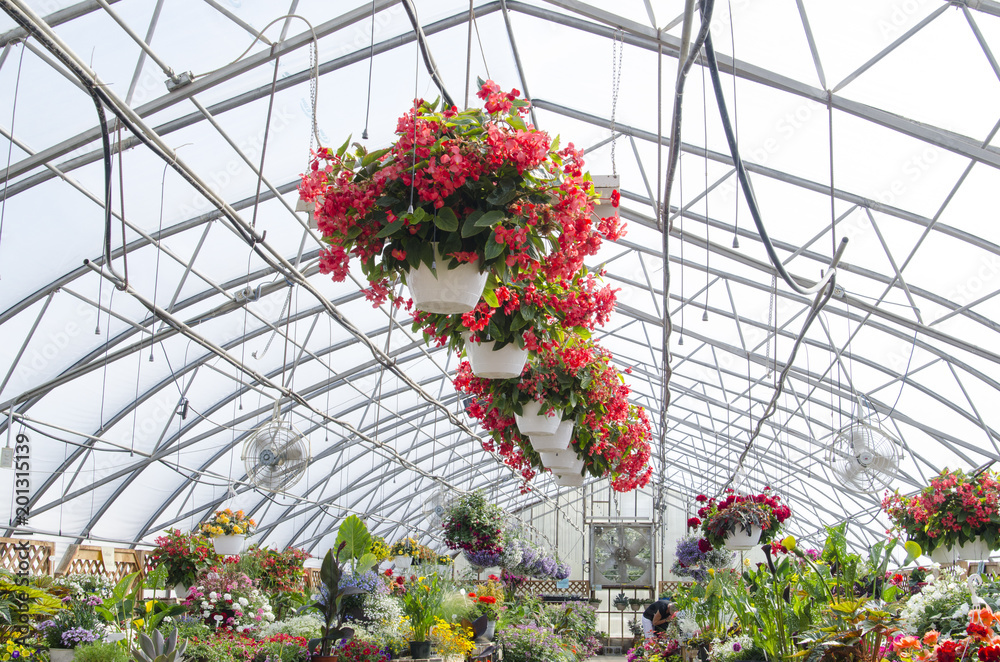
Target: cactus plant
x=156, y=649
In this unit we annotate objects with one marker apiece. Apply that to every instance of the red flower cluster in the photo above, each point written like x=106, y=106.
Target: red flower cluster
x=578, y=379
x=354, y=650
x=721, y=517
x=952, y=510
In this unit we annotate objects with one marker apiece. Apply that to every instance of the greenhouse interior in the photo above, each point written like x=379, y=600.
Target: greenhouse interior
x=418, y=345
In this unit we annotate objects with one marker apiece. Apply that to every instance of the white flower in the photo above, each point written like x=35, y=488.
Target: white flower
x=227, y=597
x=206, y=613
x=213, y=596
x=205, y=604
x=269, y=616
x=243, y=601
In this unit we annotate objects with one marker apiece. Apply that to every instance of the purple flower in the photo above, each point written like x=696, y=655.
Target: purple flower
x=482, y=558
x=563, y=571
x=736, y=647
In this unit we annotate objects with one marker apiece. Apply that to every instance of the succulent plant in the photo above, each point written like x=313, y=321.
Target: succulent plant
x=156, y=649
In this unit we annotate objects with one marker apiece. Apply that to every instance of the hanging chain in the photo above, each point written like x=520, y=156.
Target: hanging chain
x=617, y=49
x=770, y=316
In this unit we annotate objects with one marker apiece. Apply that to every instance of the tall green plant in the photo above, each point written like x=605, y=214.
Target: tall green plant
x=328, y=606
x=356, y=542
x=859, y=609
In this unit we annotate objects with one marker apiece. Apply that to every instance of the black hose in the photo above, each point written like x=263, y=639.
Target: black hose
x=121, y=282
x=713, y=68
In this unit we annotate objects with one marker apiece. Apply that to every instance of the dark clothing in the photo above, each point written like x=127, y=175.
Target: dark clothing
x=661, y=607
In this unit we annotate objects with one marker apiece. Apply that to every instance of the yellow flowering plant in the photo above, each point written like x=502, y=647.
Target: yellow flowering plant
x=227, y=523
x=451, y=639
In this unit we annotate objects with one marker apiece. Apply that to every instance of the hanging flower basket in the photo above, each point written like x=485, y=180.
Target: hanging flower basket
x=566, y=460
x=976, y=550
x=437, y=288
x=569, y=480
x=558, y=442
x=228, y=545
x=489, y=362
x=533, y=423
x=402, y=562
x=740, y=539
x=578, y=379
x=741, y=521
x=954, y=511
x=493, y=191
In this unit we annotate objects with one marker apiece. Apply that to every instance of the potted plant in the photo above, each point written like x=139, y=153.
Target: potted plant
x=576, y=387
x=637, y=603
x=488, y=601
x=402, y=552
x=77, y=623
x=529, y=311
x=473, y=524
x=328, y=606
x=955, y=515
x=422, y=604
x=691, y=561
x=459, y=195
x=185, y=556
x=229, y=599
x=228, y=531
x=158, y=649
x=741, y=521
x=621, y=601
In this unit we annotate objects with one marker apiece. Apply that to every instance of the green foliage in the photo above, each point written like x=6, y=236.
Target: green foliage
x=329, y=606
x=120, y=607
x=22, y=600
x=422, y=604
x=157, y=579
x=100, y=651
x=158, y=649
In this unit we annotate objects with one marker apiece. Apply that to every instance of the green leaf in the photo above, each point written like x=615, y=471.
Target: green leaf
x=354, y=534
x=490, y=218
x=469, y=227
x=493, y=248
x=427, y=255
x=343, y=148
x=392, y=227
x=371, y=157
x=446, y=220
x=499, y=195
x=490, y=297
x=912, y=551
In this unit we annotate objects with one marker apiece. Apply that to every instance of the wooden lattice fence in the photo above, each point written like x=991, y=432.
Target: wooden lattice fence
x=94, y=560
x=669, y=587
x=548, y=587
x=33, y=557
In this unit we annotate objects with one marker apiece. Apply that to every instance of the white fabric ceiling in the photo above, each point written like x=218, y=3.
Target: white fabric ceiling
x=912, y=109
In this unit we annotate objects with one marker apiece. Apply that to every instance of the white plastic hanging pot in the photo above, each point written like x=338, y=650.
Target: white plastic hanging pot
x=741, y=540
x=449, y=292
x=566, y=460
x=61, y=654
x=977, y=550
x=604, y=185
x=181, y=591
x=488, y=363
x=553, y=443
x=532, y=424
x=568, y=480
x=228, y=545
x=402, y=562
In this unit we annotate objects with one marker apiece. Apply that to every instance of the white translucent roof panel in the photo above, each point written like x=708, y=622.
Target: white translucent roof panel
x=909, y=339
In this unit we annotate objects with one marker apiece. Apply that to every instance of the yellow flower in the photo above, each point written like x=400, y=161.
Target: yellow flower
x=138, y=623
x=149, y=606
x=237, y=530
